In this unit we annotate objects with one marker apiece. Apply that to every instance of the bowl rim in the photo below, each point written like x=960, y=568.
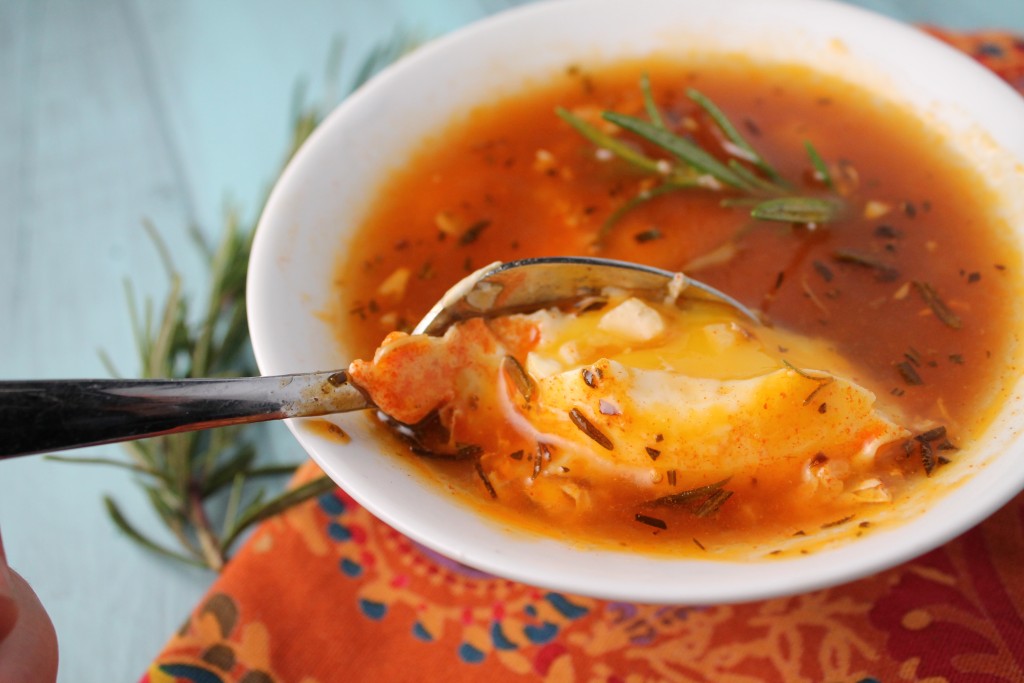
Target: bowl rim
x=619, y=578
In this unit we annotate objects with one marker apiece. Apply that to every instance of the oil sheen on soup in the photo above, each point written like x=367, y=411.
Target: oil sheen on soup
x=866, y=248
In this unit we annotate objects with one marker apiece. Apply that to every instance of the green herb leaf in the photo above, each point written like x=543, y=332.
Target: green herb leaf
x=884, y=271
x=279, y=504
x=820, y=167
x=734, y=135
x=689, y=496
x=683, y=149
x=809, y=210
x=649, y=105
x=938, y=306
x=122, y=523
x=609, y=142
x=754, y=181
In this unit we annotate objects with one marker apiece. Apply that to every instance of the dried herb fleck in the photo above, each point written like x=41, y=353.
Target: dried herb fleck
x=655, y=522
x=713, y=503
x=542, y=455
x=933, y=434
x=691, y=498
x=483, y=477
x=824, y=271
x=838, y=522
x=473, y=232
x=648, y=235
x=884, y=272
x=938, y=306
x=887, y=232
x=461, y=453
x=524, y=384
x=927, y=457
x=925, y=443
x=588, y=428
x=909, y=373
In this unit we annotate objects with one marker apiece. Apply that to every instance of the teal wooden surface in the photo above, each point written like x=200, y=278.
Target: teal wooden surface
x=117, y=112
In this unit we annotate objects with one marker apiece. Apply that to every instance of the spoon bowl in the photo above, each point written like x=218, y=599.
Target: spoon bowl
x=530, y=284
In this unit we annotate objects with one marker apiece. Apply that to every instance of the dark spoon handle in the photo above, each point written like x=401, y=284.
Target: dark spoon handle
x=49, y=415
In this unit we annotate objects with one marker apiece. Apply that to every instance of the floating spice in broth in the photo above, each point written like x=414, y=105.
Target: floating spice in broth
x=846, y=293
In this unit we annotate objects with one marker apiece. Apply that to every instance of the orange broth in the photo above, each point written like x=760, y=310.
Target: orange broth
x=511, y=180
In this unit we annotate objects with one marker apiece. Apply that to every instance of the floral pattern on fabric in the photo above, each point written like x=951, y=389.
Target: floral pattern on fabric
x=215, y=648
x=492, y=617
x=1001, y=52
x=362, y=598
x=967, y=593
x=328, y=593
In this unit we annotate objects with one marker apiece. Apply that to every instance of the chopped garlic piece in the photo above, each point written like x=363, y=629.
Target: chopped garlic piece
x=394, y=285
x=446, y=223
x=633, y=320
x=876, y=209
x=539, y=366
x=570, y=353
x=722, y=336
x=543, y=161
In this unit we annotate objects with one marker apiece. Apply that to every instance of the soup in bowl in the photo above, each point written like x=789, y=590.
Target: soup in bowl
x=845, y=176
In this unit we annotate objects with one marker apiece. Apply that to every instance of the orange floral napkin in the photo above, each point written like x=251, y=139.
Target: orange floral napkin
x=327, y=593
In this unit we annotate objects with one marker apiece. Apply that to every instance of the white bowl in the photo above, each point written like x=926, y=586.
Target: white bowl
x=325, y=191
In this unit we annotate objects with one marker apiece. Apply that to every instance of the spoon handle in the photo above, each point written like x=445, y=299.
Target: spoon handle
x=50, y=415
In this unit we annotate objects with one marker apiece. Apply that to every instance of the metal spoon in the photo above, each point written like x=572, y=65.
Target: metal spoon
x=48, y=415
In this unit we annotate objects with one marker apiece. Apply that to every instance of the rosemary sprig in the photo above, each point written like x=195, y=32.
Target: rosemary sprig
x=200, y=484
x=734, y=136
x=689, y=153
x=759, y=185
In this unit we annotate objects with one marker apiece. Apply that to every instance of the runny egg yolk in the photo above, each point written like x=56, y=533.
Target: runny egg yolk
x=560, y=404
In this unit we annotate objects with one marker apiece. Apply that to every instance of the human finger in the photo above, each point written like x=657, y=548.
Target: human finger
x=28, y=652
x=8, y=603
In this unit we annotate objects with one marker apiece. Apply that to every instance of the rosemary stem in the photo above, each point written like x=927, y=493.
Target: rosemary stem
x=178, y=530
x=182, y=474
x=234, y=500
x=212, y=551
